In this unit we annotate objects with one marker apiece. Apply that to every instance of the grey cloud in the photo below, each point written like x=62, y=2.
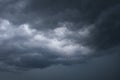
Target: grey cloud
x=88, y=10
x=25, y=48
x=38, y=34
x=106, y=33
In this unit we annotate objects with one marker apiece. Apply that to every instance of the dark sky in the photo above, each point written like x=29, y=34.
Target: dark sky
x=103, y=68
x=59, y=39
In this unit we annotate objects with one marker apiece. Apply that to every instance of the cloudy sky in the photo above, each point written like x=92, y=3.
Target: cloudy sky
x=59, y=39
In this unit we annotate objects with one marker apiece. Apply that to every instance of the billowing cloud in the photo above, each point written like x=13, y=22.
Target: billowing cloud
x=38, y=34
x=23, y=46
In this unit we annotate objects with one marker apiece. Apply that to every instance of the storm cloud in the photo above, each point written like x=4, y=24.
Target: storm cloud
x=38, y=34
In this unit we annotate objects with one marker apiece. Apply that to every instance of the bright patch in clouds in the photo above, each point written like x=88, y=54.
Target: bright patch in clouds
x=23, y=40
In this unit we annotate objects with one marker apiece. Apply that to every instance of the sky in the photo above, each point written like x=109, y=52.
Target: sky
x=59, y=39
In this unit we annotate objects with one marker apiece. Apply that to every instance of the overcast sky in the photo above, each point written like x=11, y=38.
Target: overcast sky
x=59, y=39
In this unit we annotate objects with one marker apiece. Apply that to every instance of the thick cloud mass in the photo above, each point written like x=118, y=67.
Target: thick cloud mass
x=38, y=34
x=22, y=46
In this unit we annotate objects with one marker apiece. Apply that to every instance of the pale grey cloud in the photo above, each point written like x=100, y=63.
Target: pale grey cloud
x=23, y=46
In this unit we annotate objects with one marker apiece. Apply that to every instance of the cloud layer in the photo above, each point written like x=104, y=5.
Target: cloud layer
x=38, y=34
x=22, y=46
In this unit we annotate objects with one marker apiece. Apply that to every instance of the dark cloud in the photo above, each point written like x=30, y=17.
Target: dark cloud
x=106, y=33
x=92, y=9
x=38, y=34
